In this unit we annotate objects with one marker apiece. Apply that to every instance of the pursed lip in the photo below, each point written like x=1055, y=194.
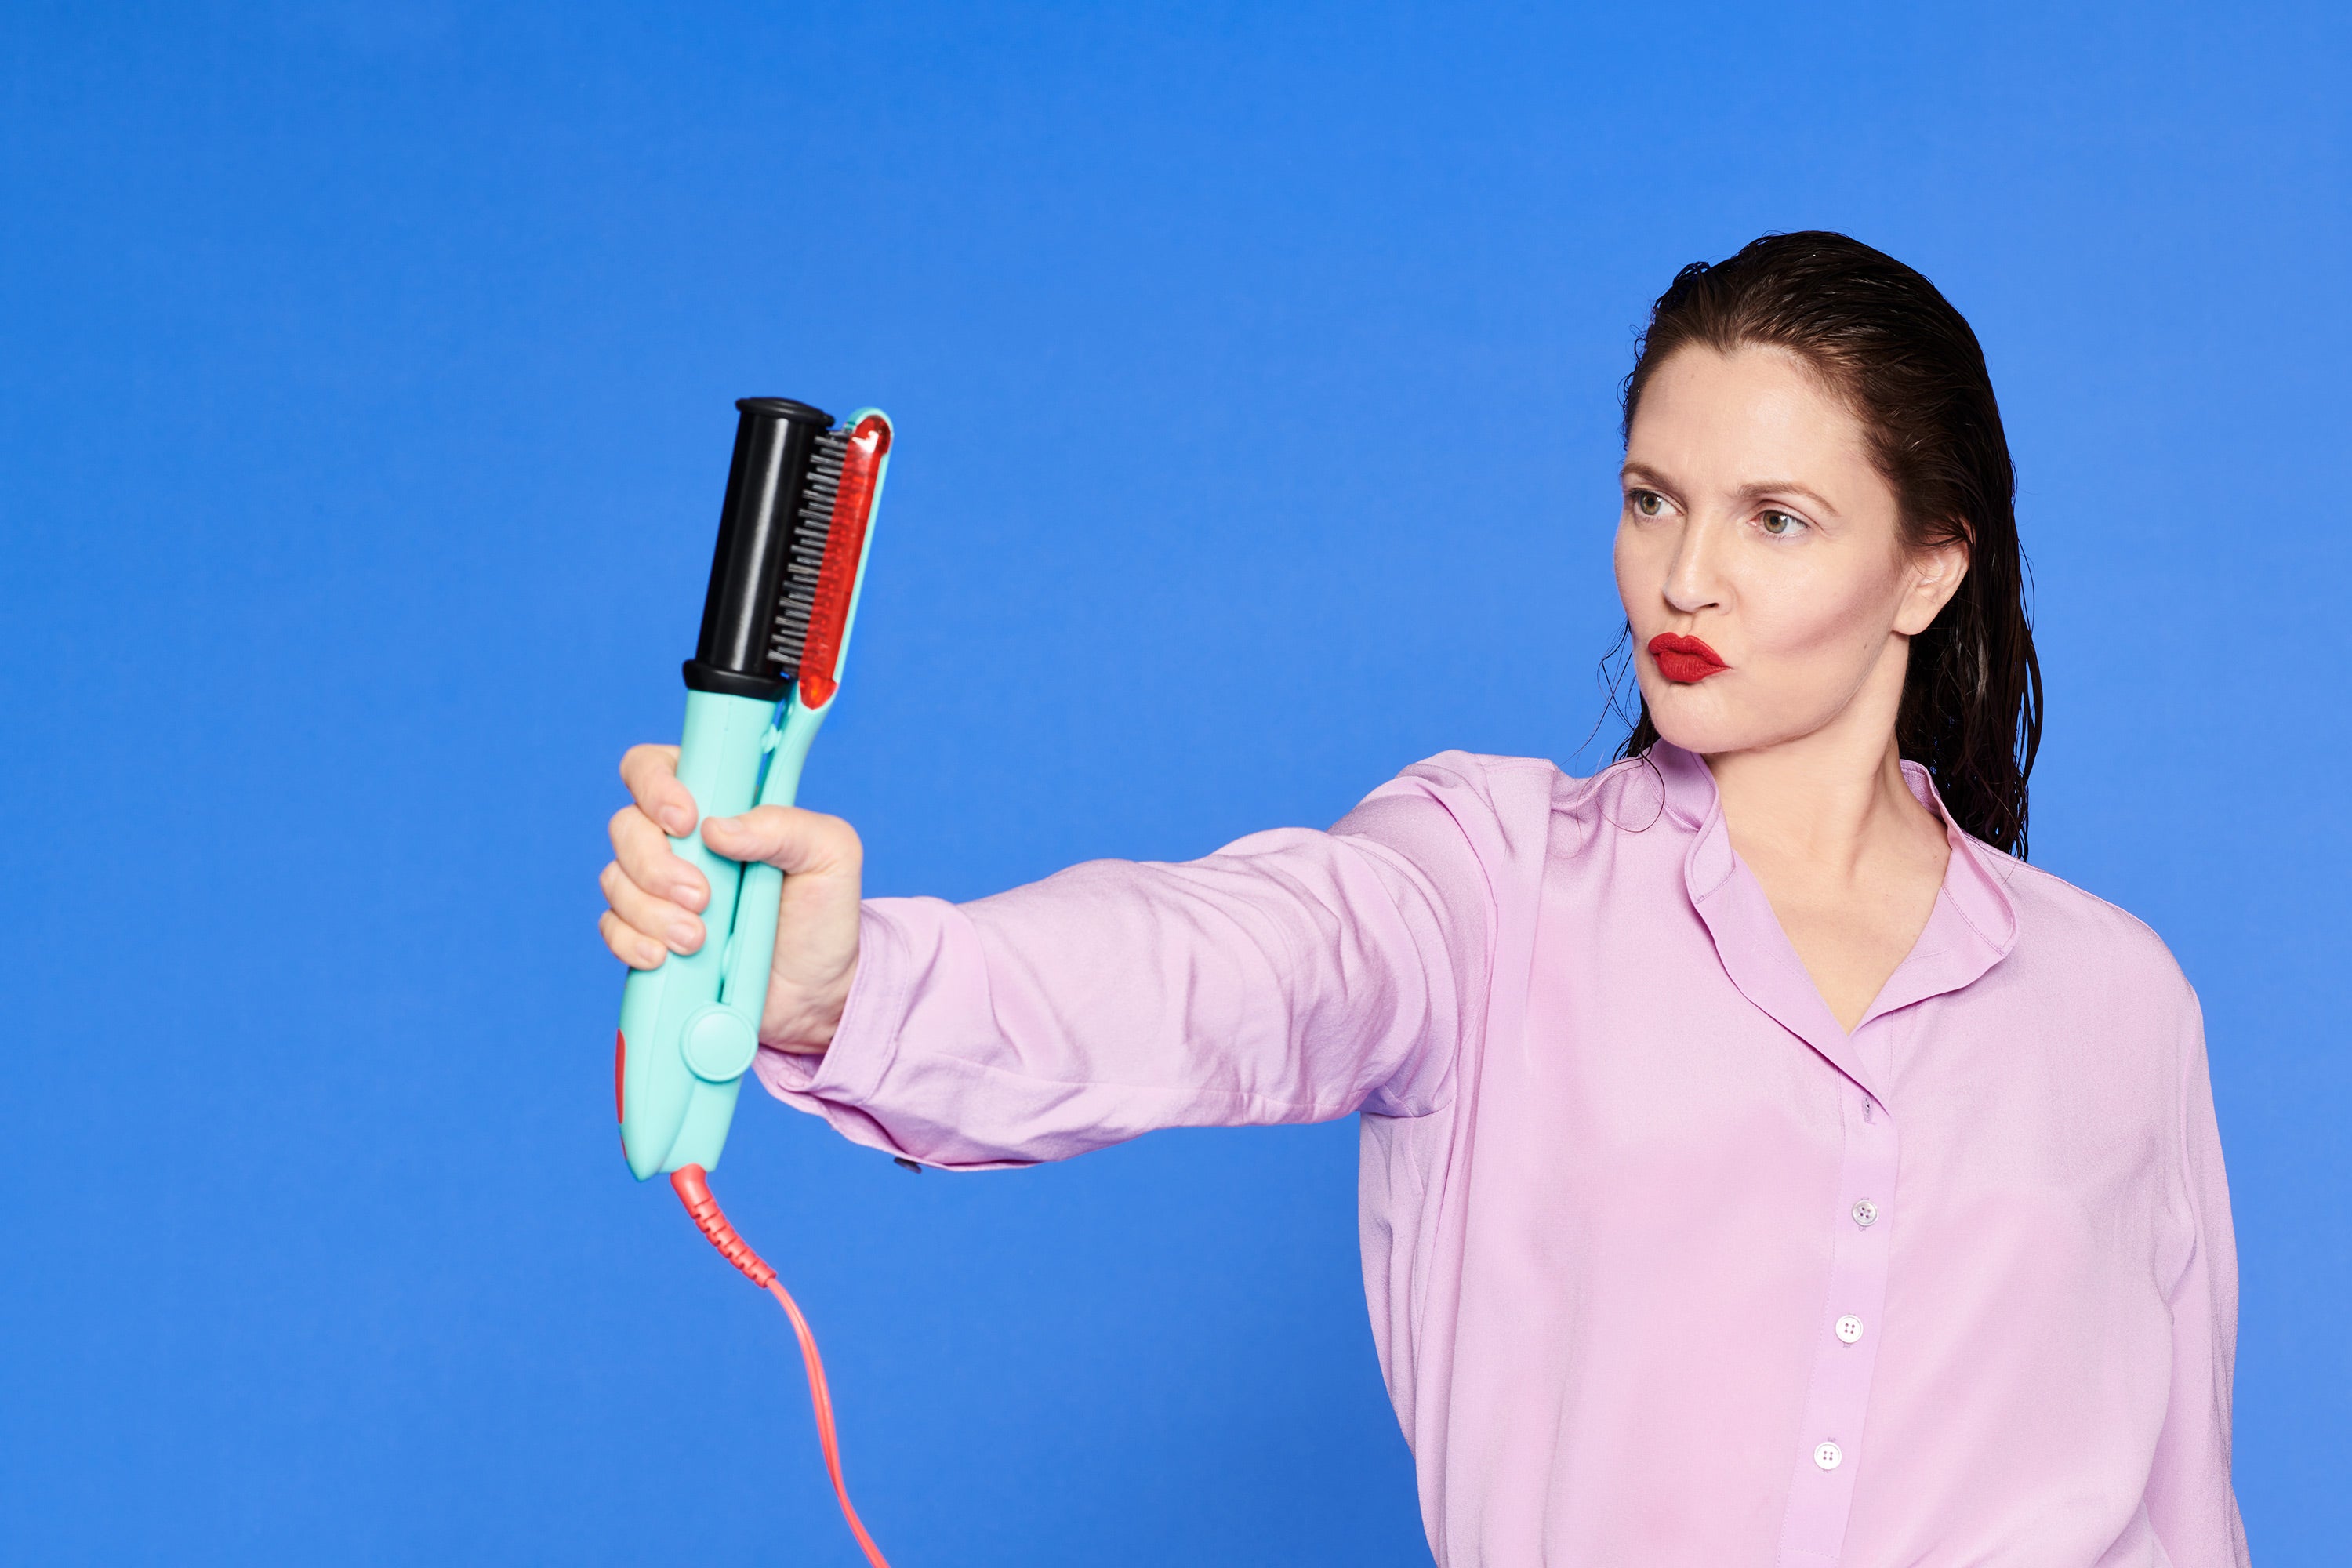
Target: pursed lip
x=1684, y=659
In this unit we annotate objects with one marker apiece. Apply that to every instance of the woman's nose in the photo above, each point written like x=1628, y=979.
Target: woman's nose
x=1693, y=583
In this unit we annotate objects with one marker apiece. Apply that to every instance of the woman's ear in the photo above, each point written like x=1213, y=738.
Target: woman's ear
x=1935, y=573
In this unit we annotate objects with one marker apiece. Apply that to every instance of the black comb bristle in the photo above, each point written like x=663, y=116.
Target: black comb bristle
x=812, y=529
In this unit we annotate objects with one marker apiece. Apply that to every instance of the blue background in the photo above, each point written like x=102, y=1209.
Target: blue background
x=364, y=417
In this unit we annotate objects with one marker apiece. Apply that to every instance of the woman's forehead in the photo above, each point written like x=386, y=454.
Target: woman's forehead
x=1754, y=418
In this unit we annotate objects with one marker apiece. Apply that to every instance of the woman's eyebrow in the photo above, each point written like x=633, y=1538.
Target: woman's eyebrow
x=1786, y=487
x=1647, y=476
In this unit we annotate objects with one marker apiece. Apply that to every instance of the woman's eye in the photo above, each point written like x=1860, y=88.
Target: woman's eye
x=1781, y=525
x=1648, y=503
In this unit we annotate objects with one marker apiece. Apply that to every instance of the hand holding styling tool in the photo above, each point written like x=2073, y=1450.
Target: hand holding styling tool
x=784, y=580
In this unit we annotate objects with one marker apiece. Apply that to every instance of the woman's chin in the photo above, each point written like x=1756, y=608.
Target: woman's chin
x=1690, y=715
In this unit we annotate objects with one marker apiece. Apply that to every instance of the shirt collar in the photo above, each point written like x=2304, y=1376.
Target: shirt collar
x=1972, y=926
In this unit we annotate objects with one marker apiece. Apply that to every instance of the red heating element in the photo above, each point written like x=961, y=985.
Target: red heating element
x=844, y=544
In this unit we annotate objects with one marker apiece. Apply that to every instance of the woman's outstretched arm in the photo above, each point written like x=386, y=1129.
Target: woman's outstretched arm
x=1293, y=975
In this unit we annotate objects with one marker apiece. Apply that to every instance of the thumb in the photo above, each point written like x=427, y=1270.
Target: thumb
x=786, y=836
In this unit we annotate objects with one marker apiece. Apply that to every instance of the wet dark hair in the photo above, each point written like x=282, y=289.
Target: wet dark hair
x=1909, y=365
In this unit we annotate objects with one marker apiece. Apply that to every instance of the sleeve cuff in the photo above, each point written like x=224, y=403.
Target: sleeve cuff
x=850, y=1069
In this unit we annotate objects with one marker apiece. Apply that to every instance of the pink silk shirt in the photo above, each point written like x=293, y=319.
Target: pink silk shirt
x=1664, y=1267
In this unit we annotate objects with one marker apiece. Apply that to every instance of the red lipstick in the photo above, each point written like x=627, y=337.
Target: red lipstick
x=1684, y=660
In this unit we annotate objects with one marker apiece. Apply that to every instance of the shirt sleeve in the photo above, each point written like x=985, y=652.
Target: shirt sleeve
x=1293, y=975
x=2190, y=1502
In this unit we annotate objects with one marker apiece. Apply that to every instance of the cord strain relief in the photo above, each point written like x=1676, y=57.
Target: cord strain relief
x=693, y=1187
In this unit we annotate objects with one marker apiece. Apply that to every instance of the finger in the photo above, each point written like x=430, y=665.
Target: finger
x=650, y=916
x=632, y=947
x=786, y=837
x=647, y=858
x=651, y=774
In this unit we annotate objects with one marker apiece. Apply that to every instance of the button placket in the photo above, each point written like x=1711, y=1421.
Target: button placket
x=1838, y=1396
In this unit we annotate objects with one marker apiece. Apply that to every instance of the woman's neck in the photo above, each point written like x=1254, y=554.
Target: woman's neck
x=1821, y=800
x=1831, y=802
x=1849, y=859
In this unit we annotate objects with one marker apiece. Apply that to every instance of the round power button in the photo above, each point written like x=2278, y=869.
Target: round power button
x=719, y=1045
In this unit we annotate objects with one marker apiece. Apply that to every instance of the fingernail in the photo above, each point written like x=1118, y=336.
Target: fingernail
x=681, y=823
x=683, y=934
x=650, y=955
x=687, y=896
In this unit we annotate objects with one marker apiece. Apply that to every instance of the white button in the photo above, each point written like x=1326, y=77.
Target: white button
x=1864, y=1211
x=1828, y=1455
x=1848, y=1328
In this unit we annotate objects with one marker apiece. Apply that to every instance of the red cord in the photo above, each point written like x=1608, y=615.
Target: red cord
x=693, y=1184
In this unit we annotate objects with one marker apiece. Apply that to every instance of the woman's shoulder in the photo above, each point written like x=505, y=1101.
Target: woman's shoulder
x=1505, y=810
x=1537, y=785
x=1516, y=797
x=2064, y=924
x=1494, y=803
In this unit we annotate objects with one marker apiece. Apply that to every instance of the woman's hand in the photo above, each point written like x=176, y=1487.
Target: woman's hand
x=656, y=898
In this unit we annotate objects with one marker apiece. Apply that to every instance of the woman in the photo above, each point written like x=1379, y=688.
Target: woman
x=1759, y=1164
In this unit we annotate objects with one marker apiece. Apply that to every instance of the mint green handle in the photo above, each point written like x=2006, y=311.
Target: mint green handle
x=661, y=1095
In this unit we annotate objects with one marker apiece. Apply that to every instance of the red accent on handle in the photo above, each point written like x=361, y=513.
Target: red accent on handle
x=693, y=1184
x=844, y=544
x=620, y=1071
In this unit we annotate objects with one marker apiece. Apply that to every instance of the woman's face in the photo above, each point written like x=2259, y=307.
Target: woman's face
x=1758, y=557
